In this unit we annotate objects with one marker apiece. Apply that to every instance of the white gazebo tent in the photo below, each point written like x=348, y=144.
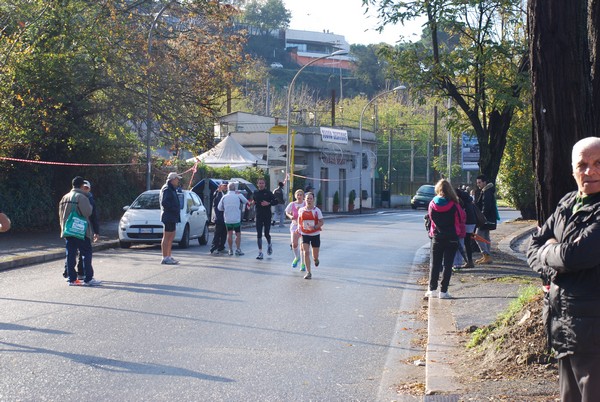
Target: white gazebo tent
x=228, y=152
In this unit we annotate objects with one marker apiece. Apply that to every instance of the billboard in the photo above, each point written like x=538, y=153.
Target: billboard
x=470, y=152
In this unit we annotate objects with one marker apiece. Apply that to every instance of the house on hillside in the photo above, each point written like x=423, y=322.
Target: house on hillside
x=305, y=46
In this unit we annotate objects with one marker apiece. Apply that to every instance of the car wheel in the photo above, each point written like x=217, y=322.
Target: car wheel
x=124, y=244
x=413, y=206
x=185, y=238
x=204, y=238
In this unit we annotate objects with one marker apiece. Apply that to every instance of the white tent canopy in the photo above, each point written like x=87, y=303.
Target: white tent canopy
x=228, y=152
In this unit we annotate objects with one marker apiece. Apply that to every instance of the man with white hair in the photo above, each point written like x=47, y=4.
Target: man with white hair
x=566, y=253
x=231, y=204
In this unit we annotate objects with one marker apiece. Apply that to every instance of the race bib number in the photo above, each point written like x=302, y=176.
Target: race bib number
x=308, y=224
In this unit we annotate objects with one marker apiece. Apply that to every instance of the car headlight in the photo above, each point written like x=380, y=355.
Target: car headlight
x=123, y=223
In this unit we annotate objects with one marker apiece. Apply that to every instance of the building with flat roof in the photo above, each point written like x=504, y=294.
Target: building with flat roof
x=326, y=158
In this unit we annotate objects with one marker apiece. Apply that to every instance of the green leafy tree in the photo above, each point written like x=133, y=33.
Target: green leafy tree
x=75, y=82
x=371, y=70
x=267, y=15
x=472, y=52
x=516, y=180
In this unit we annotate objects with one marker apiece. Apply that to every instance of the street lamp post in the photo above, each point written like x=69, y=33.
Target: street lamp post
x=399, y=87
x=149, y=100
x=289, y=170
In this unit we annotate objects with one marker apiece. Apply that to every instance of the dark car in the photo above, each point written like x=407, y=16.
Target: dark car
x=424, y=195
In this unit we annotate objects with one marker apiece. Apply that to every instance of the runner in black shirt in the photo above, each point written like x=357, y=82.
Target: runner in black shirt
x=263, y=200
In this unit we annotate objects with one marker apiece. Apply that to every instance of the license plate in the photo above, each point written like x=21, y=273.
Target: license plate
x=146, y=230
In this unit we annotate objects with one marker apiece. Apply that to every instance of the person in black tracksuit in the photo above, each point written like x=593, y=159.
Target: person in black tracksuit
x=220, y=237
x=565, y=253
x=263, y=200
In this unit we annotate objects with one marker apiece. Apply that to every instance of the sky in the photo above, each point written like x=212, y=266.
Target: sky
x=346, y=17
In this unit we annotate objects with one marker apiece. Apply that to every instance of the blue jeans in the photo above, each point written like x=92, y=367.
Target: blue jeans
x=485, y=247
x=279, y=213
x=84, y=247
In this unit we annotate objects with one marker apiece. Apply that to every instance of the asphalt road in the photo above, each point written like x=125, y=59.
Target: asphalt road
x=220, y=328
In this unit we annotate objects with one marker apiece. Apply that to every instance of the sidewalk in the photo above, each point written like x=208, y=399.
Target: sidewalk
x=19, y=249
x=477, y=301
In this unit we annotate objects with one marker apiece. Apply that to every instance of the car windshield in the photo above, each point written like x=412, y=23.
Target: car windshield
x=426, y=190
x=151, y=201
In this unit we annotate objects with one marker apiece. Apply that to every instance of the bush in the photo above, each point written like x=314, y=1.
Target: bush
x=351, y=197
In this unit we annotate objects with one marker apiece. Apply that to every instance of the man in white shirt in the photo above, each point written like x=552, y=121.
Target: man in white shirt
x=231, y=204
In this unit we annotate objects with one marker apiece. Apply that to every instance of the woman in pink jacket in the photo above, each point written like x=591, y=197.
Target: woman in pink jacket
x=447, y=226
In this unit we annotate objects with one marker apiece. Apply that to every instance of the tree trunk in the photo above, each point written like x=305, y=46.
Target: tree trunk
x=562, y=91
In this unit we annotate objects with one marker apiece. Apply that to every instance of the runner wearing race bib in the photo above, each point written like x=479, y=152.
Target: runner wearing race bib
x=292, y=212
x=310, y=222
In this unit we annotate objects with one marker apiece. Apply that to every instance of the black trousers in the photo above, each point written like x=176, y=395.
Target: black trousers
x=220, y=236
x=440, y=262
x=579, y=378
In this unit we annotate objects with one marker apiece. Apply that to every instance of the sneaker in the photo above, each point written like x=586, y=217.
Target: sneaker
x=456, y=268
x=92, y=282
x=270, y=250
x=316, y=262
x=303, y=267
x=295, y=262
x=80, y=277
x=213, y=249
x=76, y=282
x=468, y=265
x=230, y=252
x=260, y=256
x=169, y=261
x=238, y=252
x=308, y=276
x=429, y=295
x=445, y=295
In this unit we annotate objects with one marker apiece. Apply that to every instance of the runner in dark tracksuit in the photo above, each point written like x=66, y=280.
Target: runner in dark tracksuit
x=220, y=234
x=263, y=200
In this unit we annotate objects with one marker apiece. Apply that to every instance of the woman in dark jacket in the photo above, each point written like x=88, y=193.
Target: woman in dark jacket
x=447, y=225
x=467, y=205
x=169, y=216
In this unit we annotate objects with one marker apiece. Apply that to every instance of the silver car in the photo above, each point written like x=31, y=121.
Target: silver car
x=141, y=221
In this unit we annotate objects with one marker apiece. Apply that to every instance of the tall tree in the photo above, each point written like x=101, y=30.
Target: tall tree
x=267, y=15
x=482, y=65
x=564, y=47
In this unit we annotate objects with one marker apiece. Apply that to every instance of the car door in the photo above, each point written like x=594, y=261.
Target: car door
x=197, y=215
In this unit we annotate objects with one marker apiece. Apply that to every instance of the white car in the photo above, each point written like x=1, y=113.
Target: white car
x=141, y=221
x=276, y=65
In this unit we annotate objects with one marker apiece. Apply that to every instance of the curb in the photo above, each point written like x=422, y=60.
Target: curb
x=48, y=255
x=507, y=244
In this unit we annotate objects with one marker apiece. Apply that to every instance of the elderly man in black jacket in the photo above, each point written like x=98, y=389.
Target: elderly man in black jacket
x=566, y=254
